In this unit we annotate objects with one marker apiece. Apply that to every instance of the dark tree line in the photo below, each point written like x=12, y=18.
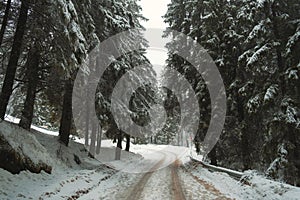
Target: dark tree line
x=255, y=45
x=43, y=44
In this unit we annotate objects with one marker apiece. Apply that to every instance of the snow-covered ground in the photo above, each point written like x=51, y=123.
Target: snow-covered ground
x=251, y=186
x=147, y=172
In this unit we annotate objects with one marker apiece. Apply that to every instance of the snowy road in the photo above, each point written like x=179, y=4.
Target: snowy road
x=159, y=175
x=165, y=179
x=159, y=182
x=171, y=182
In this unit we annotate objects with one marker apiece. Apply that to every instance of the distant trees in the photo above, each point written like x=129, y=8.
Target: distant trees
x=254, y=44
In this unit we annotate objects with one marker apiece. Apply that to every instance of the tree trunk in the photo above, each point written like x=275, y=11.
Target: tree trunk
x=119, y=147
x=213, y=157
x=4, y=21
x=87, y=125
x=245, y=150
x=197, y=145
x=32, y=77
x=119, y=143
x=99, y=140
x=7, y=87
x=127, y=142
x=66, y=117
x=178, y=139
x=240, y=108
x=93, y=139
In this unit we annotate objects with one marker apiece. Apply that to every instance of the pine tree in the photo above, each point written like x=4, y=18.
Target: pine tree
x=13, y=60
x=32, y=66
x=5, y=20
x=254, y=45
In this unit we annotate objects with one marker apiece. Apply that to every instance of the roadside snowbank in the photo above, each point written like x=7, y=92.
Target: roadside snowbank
x=20, y=150
x=251, y=187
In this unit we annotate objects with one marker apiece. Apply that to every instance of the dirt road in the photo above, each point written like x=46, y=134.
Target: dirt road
x=173, y=182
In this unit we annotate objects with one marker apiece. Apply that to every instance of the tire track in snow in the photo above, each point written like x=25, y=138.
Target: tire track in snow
x=177, y=189
x=137, y=190
x=176, y=182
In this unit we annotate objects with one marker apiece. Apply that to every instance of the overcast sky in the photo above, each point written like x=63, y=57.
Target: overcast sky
x=154, y=10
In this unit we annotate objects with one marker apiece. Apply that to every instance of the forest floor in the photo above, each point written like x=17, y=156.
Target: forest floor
x=148, y=172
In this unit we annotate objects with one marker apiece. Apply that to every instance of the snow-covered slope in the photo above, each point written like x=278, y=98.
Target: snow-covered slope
x=24, y=142
x=68, y=178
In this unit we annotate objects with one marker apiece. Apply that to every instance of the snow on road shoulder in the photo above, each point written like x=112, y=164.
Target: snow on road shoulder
x=69, y=177
x=195, y=189
x=252, y=188
x=270, y=189
x=59, y=185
